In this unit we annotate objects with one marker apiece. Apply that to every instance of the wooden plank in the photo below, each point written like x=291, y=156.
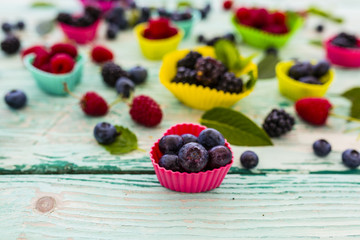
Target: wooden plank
x=136, y=206
x=52, y=135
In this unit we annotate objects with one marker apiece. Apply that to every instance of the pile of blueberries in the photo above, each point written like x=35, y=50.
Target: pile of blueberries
x=305, y=72
x=188, y=153
x=345, y=40
x=90, y=16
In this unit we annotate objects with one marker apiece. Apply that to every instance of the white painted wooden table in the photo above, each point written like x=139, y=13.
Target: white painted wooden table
x=291, y=194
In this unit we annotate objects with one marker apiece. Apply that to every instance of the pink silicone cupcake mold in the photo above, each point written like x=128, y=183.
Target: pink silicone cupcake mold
x=345, y=57
x=188, y=182
x=81, y=35
x=103, y=5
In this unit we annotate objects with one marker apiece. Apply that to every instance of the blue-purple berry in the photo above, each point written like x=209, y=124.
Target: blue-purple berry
x=351, y=158
x=105, y=133
x=300, y=69
x=16, y=99
x=193, y=157
x=170, y=144
x=219, y=156
x=321, y=147
x=170, y=162
x=249, y=159
x=124, y=87
x=138, y=74
x=210, y=138
x=189, y=138
x=321, y=68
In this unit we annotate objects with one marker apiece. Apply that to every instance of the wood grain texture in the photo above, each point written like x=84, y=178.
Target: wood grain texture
x=137, y=207
x=52, y=135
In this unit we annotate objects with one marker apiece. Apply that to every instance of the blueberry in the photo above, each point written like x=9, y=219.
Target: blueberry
x=193, y=157
x=189, y=138
x=271, y=50
x=170, y=162
x=319, y=28
x=138, y=74
x=20, y=25
x=201, y=39
x=249, y=159
x=6, y=27
x=321, y=68
x=124, y=87
x=321, y=148
x=170, y=144
x=230, y=37
x=310, y=80
x=351, y=158
x=16, y=99
x=210, y=138
x=105, y=133
x=219, y=156
x=111, y=32
x=300, y=69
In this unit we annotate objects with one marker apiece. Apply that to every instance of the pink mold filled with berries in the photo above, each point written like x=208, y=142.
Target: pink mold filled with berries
x=345, y=57
x=81, y=35
x=188, y=182
x=103, y=5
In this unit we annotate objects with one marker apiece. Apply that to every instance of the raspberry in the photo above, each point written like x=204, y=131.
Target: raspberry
x=159, y=29
x=276, y=29
x=260, y=17
x=208, y=71
x=37, y=49
x=111, y=72
x=278, y=122
x=61, y=63
x=10, y=45
x=278, y=18
x=230, y=83
x=313, y=110
x=242, y=14
x=189, y=60
x=227, y=4
x=64, y=48
x=144, y=110
x=185, y=75
x=101, y=54
x=41, y=59
x=93, y=104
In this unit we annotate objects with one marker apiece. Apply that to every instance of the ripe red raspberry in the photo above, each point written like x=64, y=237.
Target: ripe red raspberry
x=61, y=63
x=227, y=4
x=278, y=18
x=93, y=104
x=313, y=110
x=34, y=49
x=242, y=14
x=101, y=54
x=276, y=29
x=64, y=48
x=144, y=110
x=42, y=58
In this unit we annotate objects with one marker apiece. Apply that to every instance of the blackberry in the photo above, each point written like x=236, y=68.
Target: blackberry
x=10, y=45
x=345, y=40
x=111, y=32
x=208, y=71
x=212, y=41
x=201, y=39
x=230, y=83
x=84, y=21
x=189, y=60
x=278, y=122
x=111, y=72
x=64, y=18
x=94, y=12
x=185, y=75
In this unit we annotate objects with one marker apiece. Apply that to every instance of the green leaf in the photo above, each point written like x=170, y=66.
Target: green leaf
x=267, y=65
x=355, y=108
x=184, y=4
x=42, y=4
x=245, y=61
x=251, y=82
x=316, y=43
x=237, y=128
x=227, y=53
x=317, y=11
x=124, y=143
x=352, y=93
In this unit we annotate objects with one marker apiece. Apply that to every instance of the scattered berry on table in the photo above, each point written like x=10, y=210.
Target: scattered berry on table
x=138, y=74
x=16, y=99
x=170, y=162
x=187, y=137
x=61, y=63
x=20, y=25
x=230, y=83
x=210, y=138
x=219, y=156
x=201, y=39
x=313, y=110
x=345, y=40
x=300, y=69
x=208, y=71
x=189, y=60
x=93, y=104
x=230, y=37
x=6, y=27
x=112, y=31
x=111, y=72
x=124, y=87
x=101, y=54
x=351, y=158
x=227, y=4
x=144, y=110
x=278, y=123
x=105, y=133
x=171, y=144
x=10, y=45
x=249, y=159
x=193, y=157
x=145, y=14
x=321, y=147
x=319, y=28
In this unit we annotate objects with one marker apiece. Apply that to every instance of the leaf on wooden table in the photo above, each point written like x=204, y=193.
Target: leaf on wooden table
x=319, y=12
x=45, y=27
x=355, y=108
x=124, y=143
x=237, y=128
x=352, y=93
x=318, y=43
x=42, y=4
x=267, y=66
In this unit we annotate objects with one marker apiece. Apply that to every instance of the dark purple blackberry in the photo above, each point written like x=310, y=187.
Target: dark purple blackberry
x=111, y=31
x=181, y=16
x=185, y=75
x=84, y=21
x=230, y=83
x=189, y=60
x=278, y=122
x=10, y=45
x=345, y=40
x=65, y=18
x=94, y=12
x=208, y=71
x=201, y=39
x=111, y=72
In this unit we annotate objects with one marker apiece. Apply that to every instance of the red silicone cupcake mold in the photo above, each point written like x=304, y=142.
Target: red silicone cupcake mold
x=188, y=182
x=81, y=35
x=103, y=5
x=345, y=57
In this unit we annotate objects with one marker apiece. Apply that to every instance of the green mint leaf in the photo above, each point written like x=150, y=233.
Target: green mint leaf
x=317, y=11
x=245, y=61
x=184, y=4
x=355, y=108
x=267, y=66
x=250, y=83
x=316, y=43
x=227, y=53
x=42, y=4
x=124, y=143
x=352, y=93
x=237, y=128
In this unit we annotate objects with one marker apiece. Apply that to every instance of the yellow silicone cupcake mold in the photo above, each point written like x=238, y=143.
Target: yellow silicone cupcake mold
x=296, y=90
x=199, y=97
x=155, y=49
